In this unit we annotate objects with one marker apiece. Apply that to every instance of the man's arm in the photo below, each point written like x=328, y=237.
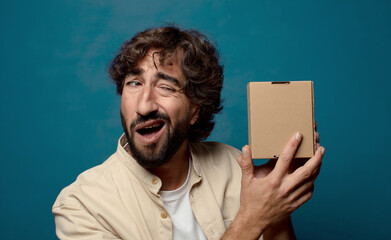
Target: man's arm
x=74, y=223
x=282, y=230
x=266, y=202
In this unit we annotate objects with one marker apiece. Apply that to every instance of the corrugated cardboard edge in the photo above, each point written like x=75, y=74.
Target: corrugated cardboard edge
x=248, y=114
x=313, y=119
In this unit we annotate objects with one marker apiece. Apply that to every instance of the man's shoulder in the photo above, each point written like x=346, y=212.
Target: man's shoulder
x=212, y=155
x=88, y=181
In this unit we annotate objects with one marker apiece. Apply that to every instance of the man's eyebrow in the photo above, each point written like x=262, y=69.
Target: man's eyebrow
x=164, y=76
x=135, y=71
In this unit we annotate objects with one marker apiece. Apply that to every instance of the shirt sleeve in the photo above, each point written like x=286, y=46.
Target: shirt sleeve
x=74, y=222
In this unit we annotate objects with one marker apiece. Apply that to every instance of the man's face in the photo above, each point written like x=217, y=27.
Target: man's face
x=156, y=115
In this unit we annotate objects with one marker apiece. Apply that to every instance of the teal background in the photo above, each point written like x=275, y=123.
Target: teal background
x=60, y=113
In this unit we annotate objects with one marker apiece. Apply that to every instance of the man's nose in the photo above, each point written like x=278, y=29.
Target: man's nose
x=146, y=101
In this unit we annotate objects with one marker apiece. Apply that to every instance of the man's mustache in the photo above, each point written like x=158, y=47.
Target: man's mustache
x=150, y=116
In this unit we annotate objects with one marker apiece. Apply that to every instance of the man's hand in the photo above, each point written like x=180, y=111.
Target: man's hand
x=265, y=169
x=269, y=194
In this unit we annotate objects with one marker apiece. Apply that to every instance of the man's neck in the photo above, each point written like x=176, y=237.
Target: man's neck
x=173, y=173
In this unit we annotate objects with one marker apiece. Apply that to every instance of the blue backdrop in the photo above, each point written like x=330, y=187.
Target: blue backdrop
x=60, y=113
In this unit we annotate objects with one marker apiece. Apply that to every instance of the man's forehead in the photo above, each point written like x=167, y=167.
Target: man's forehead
x=168, y=64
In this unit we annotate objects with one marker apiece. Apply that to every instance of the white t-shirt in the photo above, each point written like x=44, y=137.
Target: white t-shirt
x=177, y=204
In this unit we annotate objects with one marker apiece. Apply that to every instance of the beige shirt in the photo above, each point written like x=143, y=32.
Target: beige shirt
x=119, y=199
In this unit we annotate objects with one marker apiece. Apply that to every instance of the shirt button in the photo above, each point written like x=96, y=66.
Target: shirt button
x=154, y=181
x=163, y=214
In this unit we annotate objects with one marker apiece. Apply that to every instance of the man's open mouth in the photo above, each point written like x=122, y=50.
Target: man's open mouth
x=150, y=131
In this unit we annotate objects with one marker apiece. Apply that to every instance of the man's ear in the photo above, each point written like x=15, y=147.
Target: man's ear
x=194, y=113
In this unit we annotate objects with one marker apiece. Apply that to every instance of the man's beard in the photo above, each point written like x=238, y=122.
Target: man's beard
x=169, y=144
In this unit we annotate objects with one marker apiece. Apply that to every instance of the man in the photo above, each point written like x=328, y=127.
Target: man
x=162, y=182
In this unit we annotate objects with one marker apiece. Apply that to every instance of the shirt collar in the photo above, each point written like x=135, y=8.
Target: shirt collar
x=152, y=182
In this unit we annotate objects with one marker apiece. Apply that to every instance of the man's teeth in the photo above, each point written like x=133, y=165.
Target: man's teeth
x=157, y=125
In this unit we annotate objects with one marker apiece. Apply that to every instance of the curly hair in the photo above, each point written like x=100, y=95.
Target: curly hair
x=199, y=63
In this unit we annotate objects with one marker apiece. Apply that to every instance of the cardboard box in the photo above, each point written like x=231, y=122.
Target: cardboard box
x=276, y=110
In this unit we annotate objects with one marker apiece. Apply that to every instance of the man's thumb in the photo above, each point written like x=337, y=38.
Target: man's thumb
x=246, y=163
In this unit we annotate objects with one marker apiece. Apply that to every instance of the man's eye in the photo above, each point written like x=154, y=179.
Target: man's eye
x=167, y=88
x=133, y=83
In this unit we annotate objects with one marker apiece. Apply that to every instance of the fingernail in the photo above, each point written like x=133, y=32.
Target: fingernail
x=245, y=150
x=298, y=136
x=322, y=150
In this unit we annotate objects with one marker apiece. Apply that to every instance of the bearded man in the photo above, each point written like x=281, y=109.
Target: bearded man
x=164, y=182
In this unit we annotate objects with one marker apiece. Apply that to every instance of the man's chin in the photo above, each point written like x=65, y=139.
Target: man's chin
x=151, y=150
x=149, y=156
x=150, y=162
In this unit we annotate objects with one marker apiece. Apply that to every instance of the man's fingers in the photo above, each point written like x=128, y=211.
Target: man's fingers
x=246, y=163
x=302, y=190
x=317, y=137
x=287, y=155
x=309, y=170
x=304, y=198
